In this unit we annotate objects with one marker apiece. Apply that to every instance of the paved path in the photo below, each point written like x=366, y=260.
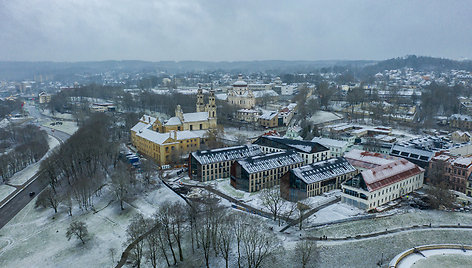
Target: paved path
x=393, y=231
x=311, y=212
x=19, y=198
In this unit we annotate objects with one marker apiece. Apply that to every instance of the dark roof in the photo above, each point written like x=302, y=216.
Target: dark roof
x=260, y=163
x=289, y=144
x=226, y=154
x=323, y=170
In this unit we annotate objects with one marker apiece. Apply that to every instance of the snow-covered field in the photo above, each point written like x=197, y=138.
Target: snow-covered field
x=58, y=115
x=6, y=190
x=67, y=126
x=36, y=237
x=232, y=133
x=322, y=117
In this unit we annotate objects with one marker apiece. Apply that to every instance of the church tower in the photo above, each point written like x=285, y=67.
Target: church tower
x=179, y=113
x=200, y=103
x=211, y=109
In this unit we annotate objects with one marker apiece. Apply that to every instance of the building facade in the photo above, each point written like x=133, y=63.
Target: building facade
x=215, y=164
x=454, y=170
x=315, y=179
x=375, y=187
x=310, y=152
x=460, y=121
x=269, y=119
x=204, y=118
x=255, y=173
x=240, y=95
x=336, y=147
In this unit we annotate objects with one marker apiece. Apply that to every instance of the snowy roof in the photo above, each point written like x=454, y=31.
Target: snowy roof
x=461, y=117
x=139, y=126
x=261, y=163
x=463, y=161
x=330, y=142
x=289, y=144
x=173, y=121
x=195, y=117
x=268, y=115
x=412, y=153
x=268, y=92
x=385, y=175
x=323, y=170
x=226, y=154
x=367, y=160
x=148, y=119
x=160, y=138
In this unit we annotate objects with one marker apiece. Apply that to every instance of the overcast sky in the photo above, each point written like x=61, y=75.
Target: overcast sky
x=217, y=30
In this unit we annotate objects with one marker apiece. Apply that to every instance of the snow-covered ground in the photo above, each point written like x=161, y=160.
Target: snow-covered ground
x=334, y=212
x=67, y=126
x=6, y=190
x=36, y=237
x=24, y=175
x=46, y=112
x=321, y=117
x=232, y=133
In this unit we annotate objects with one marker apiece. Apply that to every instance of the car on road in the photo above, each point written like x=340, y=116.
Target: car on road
x=31, y=194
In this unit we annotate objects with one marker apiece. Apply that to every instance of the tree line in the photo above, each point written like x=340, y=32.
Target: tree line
x=20, y=146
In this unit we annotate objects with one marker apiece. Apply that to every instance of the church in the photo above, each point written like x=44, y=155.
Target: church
x=240, y=95
x=204, y=118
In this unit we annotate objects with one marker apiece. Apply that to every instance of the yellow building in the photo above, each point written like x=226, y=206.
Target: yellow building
x=168, y=141
x=164, y=148
x=204, y=118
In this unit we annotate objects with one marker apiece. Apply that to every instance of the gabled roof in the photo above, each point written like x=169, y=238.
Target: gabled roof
x=388, y=174
x=367, y=160
x=268, y=115
x=139, y=126
x=261, y=163
x=323, y=170
x=289, y=144
x=173, y=121
x=195, y=117
x=226, y=154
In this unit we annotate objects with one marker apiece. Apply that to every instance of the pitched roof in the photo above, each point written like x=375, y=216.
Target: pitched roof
x=139, y=126
x=323, y=170
x=226, y=154
x=289, y=144
x=330, y=142
x=388, y=174
x=367, y=160
x=195, y=117
x=261, y=163
x=173, y=121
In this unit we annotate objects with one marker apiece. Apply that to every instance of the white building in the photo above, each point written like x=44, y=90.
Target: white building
x=336, y=147
x=375, y=187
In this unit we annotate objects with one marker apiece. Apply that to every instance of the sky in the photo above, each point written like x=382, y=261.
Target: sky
x=226, y=30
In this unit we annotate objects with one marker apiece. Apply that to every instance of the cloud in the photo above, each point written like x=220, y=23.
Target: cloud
x=78, y=30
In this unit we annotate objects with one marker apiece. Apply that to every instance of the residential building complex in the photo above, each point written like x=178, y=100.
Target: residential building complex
x=315, y=179
x=375, y=187
x=215, y=164
x=254, y=173
x=310, y=152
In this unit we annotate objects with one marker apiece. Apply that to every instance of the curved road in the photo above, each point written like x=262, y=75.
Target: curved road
x=22, y=198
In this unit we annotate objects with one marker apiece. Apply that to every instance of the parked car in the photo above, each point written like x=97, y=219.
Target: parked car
x=31, y=194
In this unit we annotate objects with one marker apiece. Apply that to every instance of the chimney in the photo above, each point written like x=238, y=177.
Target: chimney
x=175, y=135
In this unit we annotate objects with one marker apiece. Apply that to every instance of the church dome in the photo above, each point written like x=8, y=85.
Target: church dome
x=240, y=82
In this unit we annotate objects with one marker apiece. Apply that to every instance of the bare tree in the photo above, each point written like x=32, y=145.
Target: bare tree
x=301, y=212
x=135, y=229
x=121, y=184
x=258, y=245
x=226, y=237
x=77, y=229
x=305, y=252
x=147, y=167
x=177, y=223
x=164, y=218
x=272, y=200
x=48, y=198
x=152, y=243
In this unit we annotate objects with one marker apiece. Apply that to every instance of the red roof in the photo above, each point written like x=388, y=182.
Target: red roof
x=388, y=174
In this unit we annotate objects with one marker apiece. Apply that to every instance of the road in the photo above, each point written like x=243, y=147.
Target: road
x=22, y=198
